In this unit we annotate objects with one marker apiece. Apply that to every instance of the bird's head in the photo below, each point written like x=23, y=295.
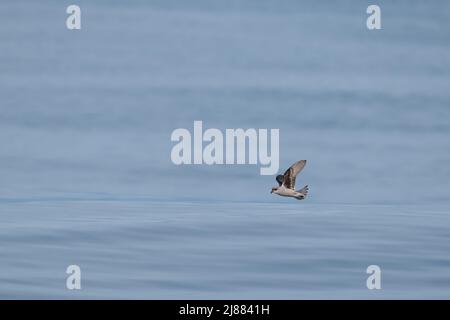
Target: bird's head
x=274, y=189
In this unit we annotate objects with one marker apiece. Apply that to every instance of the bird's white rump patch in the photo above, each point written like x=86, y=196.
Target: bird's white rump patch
x=190, y=148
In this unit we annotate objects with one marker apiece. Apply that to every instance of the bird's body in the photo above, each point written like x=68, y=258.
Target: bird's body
x=285, y=192
x=287, y=182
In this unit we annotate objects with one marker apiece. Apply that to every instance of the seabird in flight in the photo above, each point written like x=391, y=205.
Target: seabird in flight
x=287, y=182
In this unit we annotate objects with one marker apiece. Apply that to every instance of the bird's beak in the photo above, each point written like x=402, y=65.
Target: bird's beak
x=271, y=191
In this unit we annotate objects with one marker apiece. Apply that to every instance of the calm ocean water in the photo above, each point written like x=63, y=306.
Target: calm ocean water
x=85, y=170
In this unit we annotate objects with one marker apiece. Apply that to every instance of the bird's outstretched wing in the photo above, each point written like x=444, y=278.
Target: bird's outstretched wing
x=291, y=173
x=280, y=179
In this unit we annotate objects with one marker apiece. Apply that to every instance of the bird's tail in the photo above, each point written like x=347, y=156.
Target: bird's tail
x=304, y=191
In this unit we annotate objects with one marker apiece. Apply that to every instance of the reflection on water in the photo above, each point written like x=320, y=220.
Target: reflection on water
x=195, y=250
